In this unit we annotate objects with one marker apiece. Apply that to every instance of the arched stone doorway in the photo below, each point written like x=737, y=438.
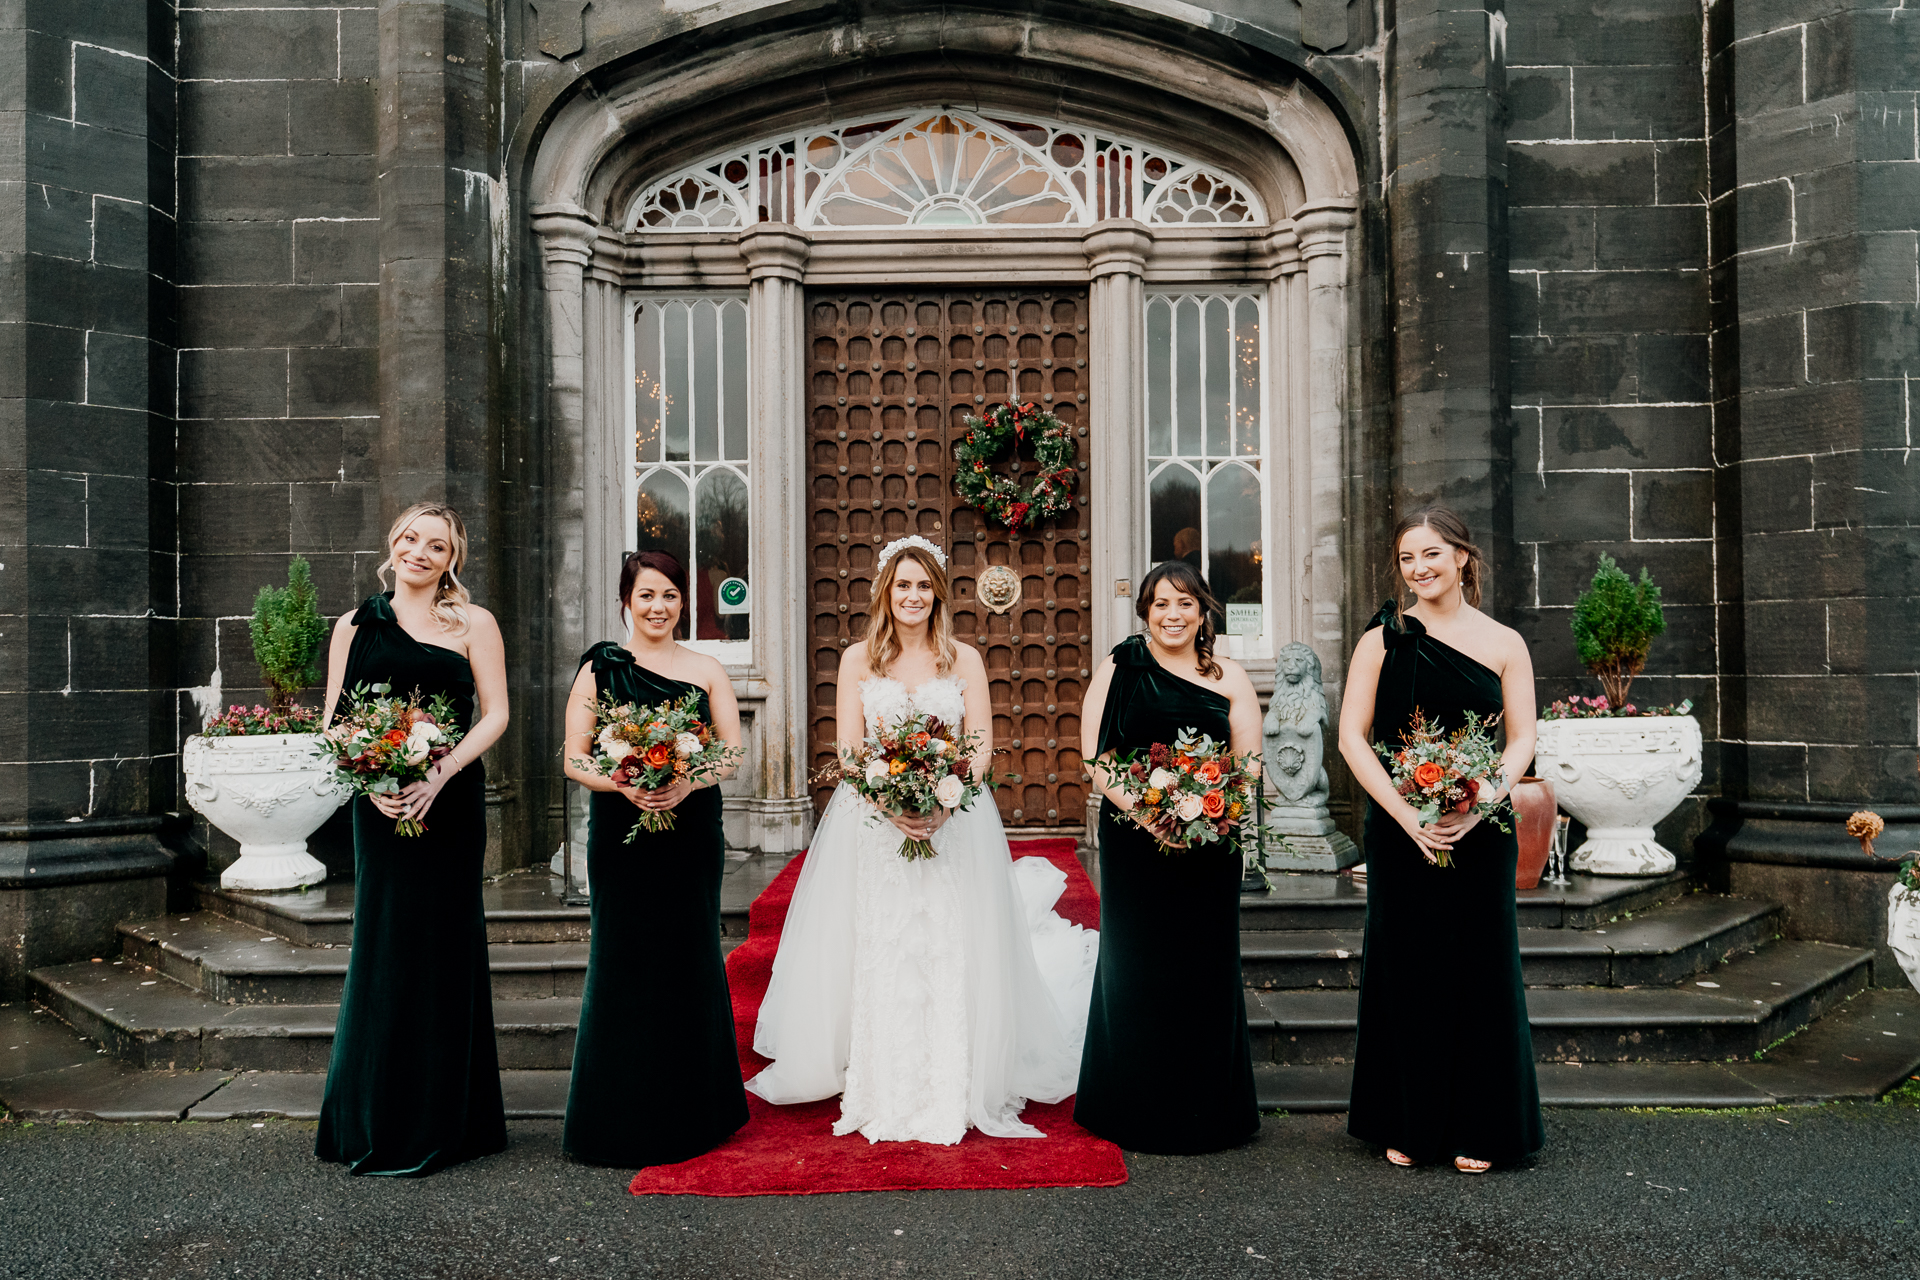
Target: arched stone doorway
x=697, y=254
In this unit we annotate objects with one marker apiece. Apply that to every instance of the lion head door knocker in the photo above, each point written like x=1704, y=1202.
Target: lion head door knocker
x=999, y=588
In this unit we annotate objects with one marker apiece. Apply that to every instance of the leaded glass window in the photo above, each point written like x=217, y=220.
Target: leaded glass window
x=940, y=166
x=1206, y=473
x=687, y=489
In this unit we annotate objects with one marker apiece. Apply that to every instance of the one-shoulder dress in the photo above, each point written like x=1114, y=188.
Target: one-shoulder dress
x=656, y=1066
x=1168, y=1067
x=1443, y=1057
x=413, y=1084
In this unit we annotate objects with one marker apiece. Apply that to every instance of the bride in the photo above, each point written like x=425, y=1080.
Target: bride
x=937, y=995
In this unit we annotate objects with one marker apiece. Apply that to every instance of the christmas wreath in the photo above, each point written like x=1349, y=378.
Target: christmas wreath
x=1003, y=498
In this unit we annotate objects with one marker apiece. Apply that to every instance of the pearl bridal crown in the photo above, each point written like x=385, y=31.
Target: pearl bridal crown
x=900, y=544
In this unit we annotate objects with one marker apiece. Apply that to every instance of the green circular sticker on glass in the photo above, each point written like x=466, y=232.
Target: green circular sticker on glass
x=733, y=596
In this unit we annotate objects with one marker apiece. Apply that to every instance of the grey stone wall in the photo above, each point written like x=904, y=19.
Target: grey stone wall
x=1816, y=201
x=86, y=406
x=1607, y=281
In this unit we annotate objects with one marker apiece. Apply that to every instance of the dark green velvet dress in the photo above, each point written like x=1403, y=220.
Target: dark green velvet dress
x=1167, y=1067
x=414, y=1081
x=656, y=1067
x=1443, y=1057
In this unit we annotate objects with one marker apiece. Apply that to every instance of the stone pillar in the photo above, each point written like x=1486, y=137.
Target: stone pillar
x=1321, y=229
x=566, y=235
x=1117, y=252
x=1446, y=197
x=88, y=574
x=781, y=817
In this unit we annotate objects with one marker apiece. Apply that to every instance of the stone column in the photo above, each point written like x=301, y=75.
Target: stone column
x=1322, y=231
x=781, y=818
x=566, y=242
x=1117, y=252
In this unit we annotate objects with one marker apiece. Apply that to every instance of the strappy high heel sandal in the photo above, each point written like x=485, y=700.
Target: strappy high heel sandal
x=1467, y=1164
x=1400, y=1158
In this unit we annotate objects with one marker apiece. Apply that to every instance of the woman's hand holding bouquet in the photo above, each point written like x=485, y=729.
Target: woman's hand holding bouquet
x=1451, y=781
x=386, y=748
x=657, y=754
x=1194, y=791
x=915, y=767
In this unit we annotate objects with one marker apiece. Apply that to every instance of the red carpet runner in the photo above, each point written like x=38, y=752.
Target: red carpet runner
x=791, y=1151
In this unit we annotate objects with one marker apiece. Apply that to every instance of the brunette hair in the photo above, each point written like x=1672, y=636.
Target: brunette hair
x=1185, y=579
x=1453, y=531
x=450, y=598
x=661, y=563
x=883, y=639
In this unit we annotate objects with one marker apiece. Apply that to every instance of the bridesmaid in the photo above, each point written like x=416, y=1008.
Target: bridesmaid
x=1167, y=1066
x=414, y=1082
x=1443, y=1062
x=656, y=1067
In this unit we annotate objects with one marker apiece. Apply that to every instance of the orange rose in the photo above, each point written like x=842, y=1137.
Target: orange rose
x=1214, y=803
x=659, y=755
x=1210, y=771
x=1427, y=774
x=394, y=736
x=919, y=740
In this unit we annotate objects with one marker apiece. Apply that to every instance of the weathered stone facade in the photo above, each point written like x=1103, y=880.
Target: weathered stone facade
x=1629, y=277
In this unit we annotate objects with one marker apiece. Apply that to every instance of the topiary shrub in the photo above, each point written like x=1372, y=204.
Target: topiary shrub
x=287, y=634
x=1614, y=623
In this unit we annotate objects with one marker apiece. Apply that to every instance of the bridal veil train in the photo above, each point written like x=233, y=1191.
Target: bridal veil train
x=936, y=995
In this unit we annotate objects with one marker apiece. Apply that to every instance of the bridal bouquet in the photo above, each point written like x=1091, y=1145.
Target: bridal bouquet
x=655, y=747
x=1437, y=773
x=911, y=766
x=381, y=743
x=1195, y=791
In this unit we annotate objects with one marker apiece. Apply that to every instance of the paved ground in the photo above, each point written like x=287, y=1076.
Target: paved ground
x=1825, y=1192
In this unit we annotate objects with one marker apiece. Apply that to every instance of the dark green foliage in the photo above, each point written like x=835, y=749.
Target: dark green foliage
x=287, y=634
x=1614, y=624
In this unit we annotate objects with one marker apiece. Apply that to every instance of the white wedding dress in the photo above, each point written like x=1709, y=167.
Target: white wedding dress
x=934, y=995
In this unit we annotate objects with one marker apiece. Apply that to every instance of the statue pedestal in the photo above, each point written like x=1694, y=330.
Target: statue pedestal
x=1312, y=842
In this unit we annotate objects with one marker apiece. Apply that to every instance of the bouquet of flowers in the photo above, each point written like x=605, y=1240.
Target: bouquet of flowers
x=1437, y=773
x=914, y=764
x=382, y=743
x=238, y=721
x=655, y=747
x=1195, y=791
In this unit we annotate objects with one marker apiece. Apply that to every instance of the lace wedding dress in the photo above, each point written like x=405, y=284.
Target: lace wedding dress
x=936, y=995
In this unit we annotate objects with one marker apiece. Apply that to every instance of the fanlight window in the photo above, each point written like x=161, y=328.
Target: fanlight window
x=941, y=167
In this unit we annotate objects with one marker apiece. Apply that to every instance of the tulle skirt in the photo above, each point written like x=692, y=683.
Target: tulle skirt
x=936, y=995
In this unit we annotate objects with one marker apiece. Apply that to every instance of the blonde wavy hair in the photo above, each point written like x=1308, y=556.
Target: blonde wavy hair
x=450, y=598
x=883, y=639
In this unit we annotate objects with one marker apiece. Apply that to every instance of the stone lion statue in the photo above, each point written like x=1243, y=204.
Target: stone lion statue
x=1295, y=732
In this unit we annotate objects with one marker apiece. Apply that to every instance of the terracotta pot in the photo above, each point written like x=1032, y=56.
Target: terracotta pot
x=1535, y=812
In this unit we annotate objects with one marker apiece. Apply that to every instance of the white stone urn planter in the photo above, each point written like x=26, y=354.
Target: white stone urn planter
x=1903, y=930
x=1619, y=775
x=270, y=792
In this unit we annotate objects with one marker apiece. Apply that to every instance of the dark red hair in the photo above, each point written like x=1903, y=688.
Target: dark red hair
x=663, y=564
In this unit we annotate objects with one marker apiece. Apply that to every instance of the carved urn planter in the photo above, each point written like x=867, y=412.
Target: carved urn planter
x=1619, y=775
x=270, y=792
x=1903, y=930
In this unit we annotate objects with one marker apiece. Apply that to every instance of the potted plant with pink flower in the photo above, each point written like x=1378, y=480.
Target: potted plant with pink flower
x=1617, y=766
x=255, y=772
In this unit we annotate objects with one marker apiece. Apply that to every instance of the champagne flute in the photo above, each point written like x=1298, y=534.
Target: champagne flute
x=1557, y=851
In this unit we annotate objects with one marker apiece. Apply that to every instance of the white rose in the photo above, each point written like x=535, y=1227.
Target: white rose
x=686, y=746
x=1161, y=779
x=876, y=772
x=417, y=747
x=948, y=791
x=610, y=745
x=1187, y=806
x=941, y=746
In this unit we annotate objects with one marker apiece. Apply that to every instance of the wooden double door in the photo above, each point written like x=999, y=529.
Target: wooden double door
x=893, y=375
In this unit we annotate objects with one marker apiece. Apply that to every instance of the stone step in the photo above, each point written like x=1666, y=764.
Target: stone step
x=1867, y=1046
x=1669, y=942
x=1311, y=902
x=237, y=965
x=150, y=1020
x=1737, y=1010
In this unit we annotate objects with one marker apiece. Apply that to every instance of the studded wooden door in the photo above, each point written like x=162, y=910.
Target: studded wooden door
x=893, y=375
